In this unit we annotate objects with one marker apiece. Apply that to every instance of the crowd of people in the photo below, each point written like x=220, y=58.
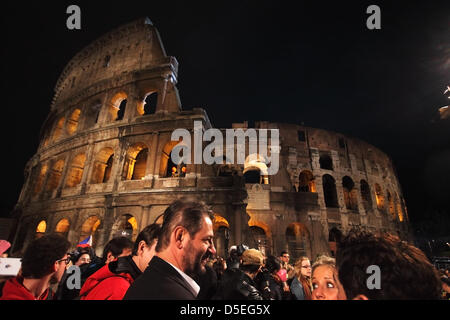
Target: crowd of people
x=177, y=261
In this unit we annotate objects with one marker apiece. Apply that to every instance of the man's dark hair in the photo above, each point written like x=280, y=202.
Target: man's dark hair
x=41, y=254
x=116, y=246
x=186, y=213
x=283, y=253
x=149, y=234
x=406, y=272
x=272, y=264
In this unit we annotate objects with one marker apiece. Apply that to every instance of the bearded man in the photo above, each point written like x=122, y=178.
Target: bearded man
x=184, y=246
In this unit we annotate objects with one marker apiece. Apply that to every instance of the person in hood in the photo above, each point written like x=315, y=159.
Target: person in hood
x=112, y=281
x=43, y=264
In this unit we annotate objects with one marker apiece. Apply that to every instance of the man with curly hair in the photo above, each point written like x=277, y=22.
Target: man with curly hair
x=405, y=272
x=43, y=264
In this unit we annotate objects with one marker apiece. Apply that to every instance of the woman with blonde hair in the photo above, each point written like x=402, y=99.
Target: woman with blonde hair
x=301, y=282
x=325, y=281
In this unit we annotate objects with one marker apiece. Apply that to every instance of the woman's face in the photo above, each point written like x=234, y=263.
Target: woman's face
x=326, y=285
x=85, y=258
x=306, y=268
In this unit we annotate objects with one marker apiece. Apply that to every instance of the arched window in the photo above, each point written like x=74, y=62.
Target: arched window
x=334, y=237
x=306, y=182
x=326, y=162
x=40, y=229
x=221, y=235
x=252, y=175
x=365, y=195
x=260, y=241
x=72, y=122
x=297, y=239
x=122, y=107
x=102, y=166
x=329, y=191
x=62, y=228
x=90, y=228
x=40, y=179
x=379, y=197
x=117, y=106
x=76, y=171
x=125, y=226
x=167, y=167
x=57, y=132
x=255, y=169
x=55, y=175
x=350, y=193
x=391, y=204
x=150, y=102
x=135, y=164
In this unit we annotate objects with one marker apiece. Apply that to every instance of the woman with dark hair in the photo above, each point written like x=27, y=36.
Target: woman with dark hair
x=301, y=283
x=273, y=266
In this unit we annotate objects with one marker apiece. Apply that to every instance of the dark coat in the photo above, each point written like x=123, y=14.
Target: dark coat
x=236, y=285
x=160, y=281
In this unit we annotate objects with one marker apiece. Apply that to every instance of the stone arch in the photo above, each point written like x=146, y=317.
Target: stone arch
x=76, y=170
x=350, y=193
x=125, y=226
x=366, y=195
x=117, y=105
x=400, y=214
x=260, y=236
x=91, y=226
x=148, y=104
x=334, y=237
x=306, y=182
x=41, y=228
x=72, y=122
x=92, y=114
x=102, y=166
x=59, y=129
x=221, y=229
x=40, y=179
x=167, y=167
x=329, y=191
x=63, y=227
x=255, y=168
x=297, y=239
x=55, y=175
x=135, y=164
x=379, y=197
x=391, y=206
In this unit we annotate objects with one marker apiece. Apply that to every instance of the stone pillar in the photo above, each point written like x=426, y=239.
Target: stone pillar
x=88, y=165
x=151, y=160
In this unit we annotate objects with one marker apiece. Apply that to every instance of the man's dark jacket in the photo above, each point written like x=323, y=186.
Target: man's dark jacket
x=236, y=285
x=160, y=281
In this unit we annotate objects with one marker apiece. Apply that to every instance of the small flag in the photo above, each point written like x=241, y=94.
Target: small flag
x=86, y=242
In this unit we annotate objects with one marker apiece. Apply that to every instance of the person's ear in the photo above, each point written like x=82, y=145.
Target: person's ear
x=180, y=236
x=360, y=297
x=141, y=247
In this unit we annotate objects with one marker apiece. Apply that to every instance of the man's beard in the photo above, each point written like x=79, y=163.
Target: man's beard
x=195, y=263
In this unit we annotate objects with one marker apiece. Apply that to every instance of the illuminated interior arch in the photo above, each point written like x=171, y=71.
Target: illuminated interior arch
x=103, y=166
x=72, y=122
x=135, y=164
x=55, y=175
x=40, y=229
x=76, y=170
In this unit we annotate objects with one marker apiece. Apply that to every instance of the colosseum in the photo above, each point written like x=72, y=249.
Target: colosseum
x=104, y=167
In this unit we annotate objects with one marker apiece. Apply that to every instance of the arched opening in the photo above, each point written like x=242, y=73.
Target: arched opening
x=62, y=228
x=150, y=102
x=334, y=237
x=57, y=132
x=379, y=197
x=135, y=164
x=72, y=122
x=306, y=182
x=391, y=204
x=40, y=229
x=76, y=171
x=90, y=228
x=169, y=169
x=255, y=169
x=297, y=239
x=326, y=162
x=253, y=175
x=329, y=191
x=221, y=235
x=40, y=179
x=365, y=195
x=350, y=194
x=399, y=211
x=117, y=106
x=91, y=115
x=55, y=175
x=103, y=166
x=259, y=239
x=125, y=226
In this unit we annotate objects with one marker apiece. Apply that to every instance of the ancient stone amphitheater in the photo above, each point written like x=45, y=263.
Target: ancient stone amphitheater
x=103, y=165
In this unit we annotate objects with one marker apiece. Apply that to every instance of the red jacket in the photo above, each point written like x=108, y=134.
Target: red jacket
x=112, y=281
x=13, y=289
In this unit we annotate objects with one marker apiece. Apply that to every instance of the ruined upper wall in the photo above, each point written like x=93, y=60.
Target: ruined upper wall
x=131, y=47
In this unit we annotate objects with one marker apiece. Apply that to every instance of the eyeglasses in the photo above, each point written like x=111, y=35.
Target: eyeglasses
x=66, y=260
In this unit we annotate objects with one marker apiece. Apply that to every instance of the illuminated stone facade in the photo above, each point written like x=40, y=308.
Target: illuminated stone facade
x=103, y=165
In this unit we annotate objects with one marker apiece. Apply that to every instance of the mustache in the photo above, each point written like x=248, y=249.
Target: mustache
x=207, y=255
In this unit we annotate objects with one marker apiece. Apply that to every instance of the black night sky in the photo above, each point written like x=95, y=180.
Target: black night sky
x=304, y=61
